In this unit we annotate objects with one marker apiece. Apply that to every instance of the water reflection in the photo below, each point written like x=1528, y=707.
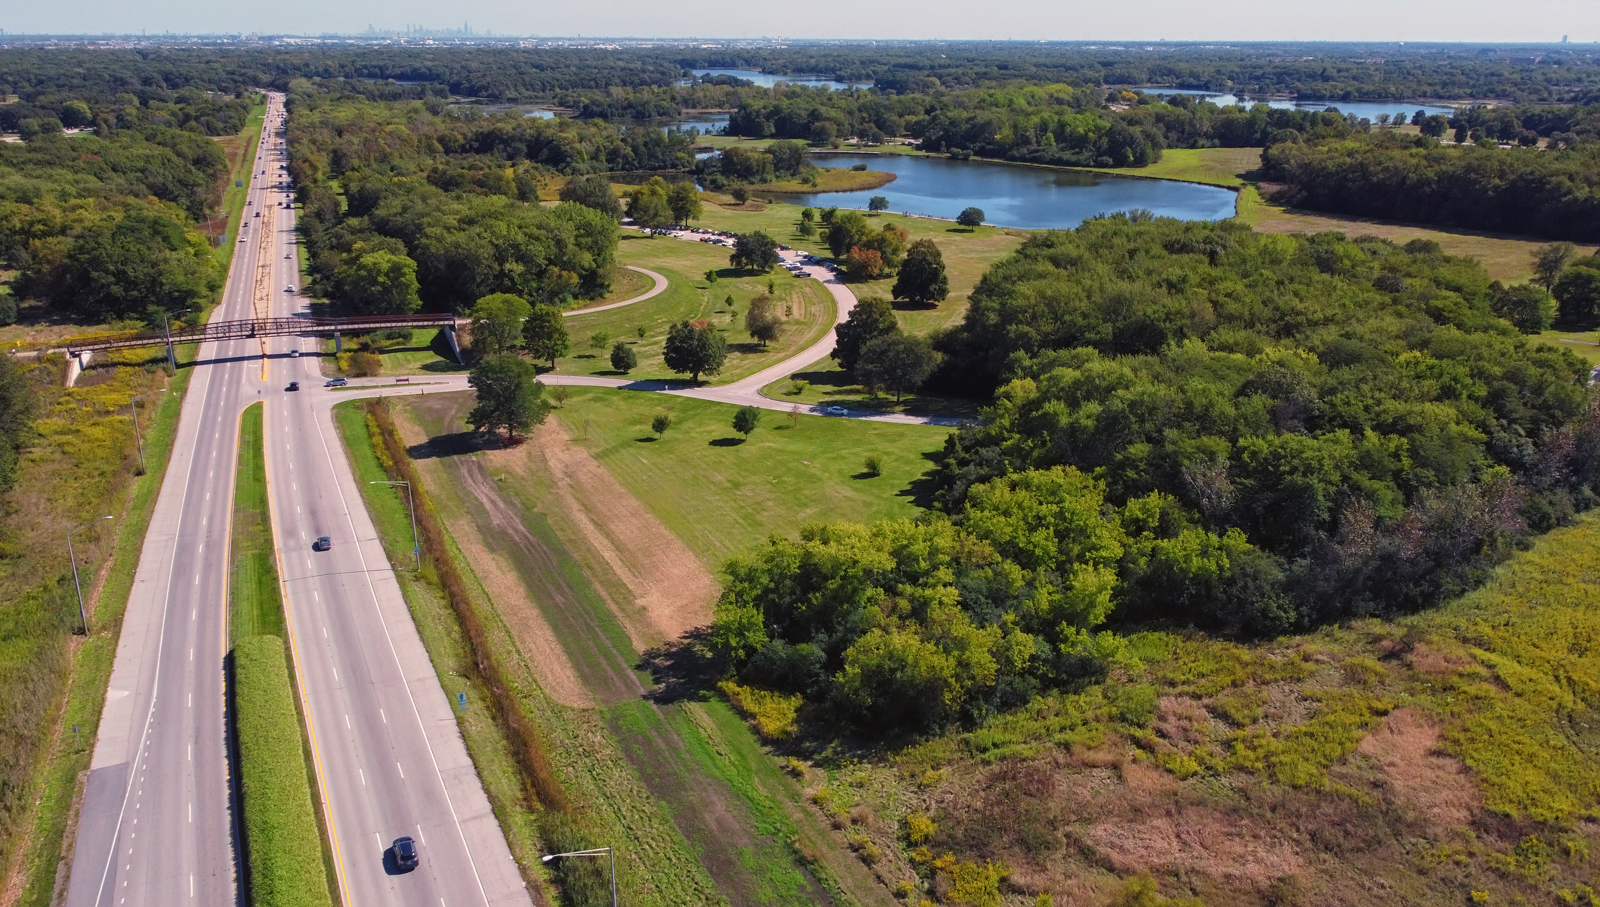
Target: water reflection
x=1034, y=198
x=1365, y=109
x=767, y=80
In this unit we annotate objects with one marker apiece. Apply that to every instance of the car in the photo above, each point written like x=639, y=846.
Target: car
x=287, y=256
x=405, y=854
x=294, y=354
x=293, y=386
x=837, y=411
x=323, y=543
x=289, y=288
x=337, y=382
x=258, y=214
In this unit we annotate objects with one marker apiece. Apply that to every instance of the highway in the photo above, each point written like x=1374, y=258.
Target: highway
x=157, y=825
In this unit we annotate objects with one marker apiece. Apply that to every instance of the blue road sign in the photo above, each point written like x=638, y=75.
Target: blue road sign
x=461, y=700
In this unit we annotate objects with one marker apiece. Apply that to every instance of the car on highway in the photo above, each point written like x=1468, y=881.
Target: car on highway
x=294, y=354
x=289, y=288
x=405, y=854
x=323, y=543
x=337, y=382
x=837, y=411
x=293, y=386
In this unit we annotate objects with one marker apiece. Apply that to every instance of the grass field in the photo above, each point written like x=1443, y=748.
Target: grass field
x=1212, y=166
x=832, y=179
x=967, y=255
x=720, y=495
x=1507, y=258
x=827, y=383
x=254, y=600
x=808, y=308
x=1584, y=343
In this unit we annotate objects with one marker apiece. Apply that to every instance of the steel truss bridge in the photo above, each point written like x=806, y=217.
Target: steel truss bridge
x=266, y=327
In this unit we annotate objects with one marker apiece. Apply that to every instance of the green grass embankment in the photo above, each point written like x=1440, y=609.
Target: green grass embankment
x=288, y=858
x=255, y=602
x=280, y=823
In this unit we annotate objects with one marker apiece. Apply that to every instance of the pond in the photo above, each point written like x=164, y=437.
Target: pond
x=1368, y=110
x=1011, y=195
x=767, y=80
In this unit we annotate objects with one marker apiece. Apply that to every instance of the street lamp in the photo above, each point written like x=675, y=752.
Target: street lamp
x=71, y=555
x=598, y=851
x=166, y=331
x=136, y=436
x=416, y=547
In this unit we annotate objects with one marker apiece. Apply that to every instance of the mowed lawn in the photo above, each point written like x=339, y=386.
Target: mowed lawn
x=967, y=254
x=1212, y=166
x=721, y=494
x=808, y=310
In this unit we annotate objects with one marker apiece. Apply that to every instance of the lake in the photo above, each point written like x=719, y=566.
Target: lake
x=1031, y=198
x=1366, y=109
x=767, y=80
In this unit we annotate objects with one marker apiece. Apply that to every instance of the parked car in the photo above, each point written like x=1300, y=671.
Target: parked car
x=337, y=382
x=323, y=543
x=837, y=411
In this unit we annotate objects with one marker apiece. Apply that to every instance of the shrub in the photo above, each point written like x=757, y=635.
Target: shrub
x=623, y=358
x=282, y=840
x=798, y=386
x=599, y=340
x=919, y=829
x=773, y=714
x=661, y=423
x=365, y=365
x=874, y=466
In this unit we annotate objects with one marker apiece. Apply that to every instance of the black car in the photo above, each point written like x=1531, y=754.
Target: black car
x=323, y=543
x=405, y=854
x=293, y=386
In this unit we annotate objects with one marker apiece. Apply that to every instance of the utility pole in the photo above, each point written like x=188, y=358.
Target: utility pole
x=71, y=555
x=133, y=408
x=596, y=852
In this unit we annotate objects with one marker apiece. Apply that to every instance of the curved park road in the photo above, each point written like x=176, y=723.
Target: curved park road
x=661, y=286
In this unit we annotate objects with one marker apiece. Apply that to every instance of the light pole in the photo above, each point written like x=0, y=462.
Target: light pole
x=72, y=556
x=598, y=851
x=416, y=547
x=136, y=436
x=166, y=331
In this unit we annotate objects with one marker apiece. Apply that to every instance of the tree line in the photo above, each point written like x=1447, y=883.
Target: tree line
x=1195, y=424
x=1552, y=193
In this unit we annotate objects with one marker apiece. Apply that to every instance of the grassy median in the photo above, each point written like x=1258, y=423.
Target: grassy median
x=283, y=843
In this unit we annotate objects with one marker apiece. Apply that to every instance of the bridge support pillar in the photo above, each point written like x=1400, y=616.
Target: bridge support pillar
x=338, y=343
x=450, y=338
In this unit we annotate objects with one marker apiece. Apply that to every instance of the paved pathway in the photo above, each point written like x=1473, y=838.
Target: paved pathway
x=661, y=284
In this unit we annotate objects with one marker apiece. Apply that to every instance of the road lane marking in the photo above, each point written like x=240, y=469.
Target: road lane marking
x=401, y=771
x=347, y=721
x=364, y=784
x=383, y=716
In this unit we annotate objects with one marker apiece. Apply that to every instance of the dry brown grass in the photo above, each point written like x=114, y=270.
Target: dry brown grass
x=1416, y=774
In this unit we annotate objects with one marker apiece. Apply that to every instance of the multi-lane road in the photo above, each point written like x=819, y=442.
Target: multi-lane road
x=157, y=825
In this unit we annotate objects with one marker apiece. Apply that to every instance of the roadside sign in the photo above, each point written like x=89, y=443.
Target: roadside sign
x=461, y=701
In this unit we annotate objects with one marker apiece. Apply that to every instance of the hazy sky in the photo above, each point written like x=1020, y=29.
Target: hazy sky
x=1239, y=20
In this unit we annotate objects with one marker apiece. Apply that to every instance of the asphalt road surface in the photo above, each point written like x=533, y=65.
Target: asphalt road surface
x=157, y=825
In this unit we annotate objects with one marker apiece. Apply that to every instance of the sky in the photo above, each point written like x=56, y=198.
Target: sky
x=1144, y=20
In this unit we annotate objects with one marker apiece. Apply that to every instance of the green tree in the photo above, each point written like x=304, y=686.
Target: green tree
x=971, y=218
x=694, y=348
x=754, y=251
x=890, y=244
x=623, y=358
x=379, y=283
x=497, y=324
x=878, y=203
x=1578, y=292
x=1550, y=261
x=762, y=321
x=788, y=157
x=922, y=277
x=1528, y=307
x=846, y=231
x=869, y=319
x=593, y=191
x=745, y=420
x=651, y=207
x=544, y=335
x=76, y=115
x=684, y=200
x=509, y=396
x=661, y=423
x=807, y=215
x=896, y=362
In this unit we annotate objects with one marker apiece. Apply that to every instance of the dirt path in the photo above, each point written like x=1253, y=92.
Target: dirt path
x=598, y=635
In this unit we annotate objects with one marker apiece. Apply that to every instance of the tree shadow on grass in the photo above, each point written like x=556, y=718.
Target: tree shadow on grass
x=683, y=669
x=647, y=439
x=454, y=444
x=923, y=488
x=727, y=442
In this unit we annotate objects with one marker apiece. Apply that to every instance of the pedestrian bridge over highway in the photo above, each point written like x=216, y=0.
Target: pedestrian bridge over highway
x=247, y=329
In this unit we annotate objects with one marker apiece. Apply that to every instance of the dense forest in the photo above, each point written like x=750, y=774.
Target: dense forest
x=1194, y=424
x=1552, y=193
x=102, y=225
x=413, y=204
